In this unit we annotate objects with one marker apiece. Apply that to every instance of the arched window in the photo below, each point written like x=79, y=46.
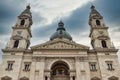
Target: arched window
x=22, y=22
x=16, y=43
x=97, y=22
x=104, y=44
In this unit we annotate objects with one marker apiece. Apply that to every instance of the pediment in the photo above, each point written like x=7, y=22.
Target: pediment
x=24, y=78
x=6, y=78
x=113, y=78
x=60, y=44
x=95, y=78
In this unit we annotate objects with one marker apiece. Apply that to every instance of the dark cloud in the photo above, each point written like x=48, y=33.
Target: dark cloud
x=8, y=14
x=110, y=10
x=45, y=31
x=75, y=23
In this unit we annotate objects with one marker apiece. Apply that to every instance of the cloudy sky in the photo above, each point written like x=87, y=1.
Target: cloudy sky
x=47, y=13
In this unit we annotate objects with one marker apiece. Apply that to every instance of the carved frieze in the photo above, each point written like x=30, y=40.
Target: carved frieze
x=81, y=59
x=60, y=44
x=38, y=59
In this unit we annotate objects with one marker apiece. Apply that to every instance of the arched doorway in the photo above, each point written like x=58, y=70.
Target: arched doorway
x=60, y=71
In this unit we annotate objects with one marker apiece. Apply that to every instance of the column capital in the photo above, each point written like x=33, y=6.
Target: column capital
x=77, y=58
x=38, y=59
x=81, y=59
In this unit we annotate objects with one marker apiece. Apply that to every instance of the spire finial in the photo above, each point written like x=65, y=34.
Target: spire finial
x=61, y=23
x=91, y=3
x=92, y=6
x=28, y=6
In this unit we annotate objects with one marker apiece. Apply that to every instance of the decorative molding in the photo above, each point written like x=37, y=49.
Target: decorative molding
x=106, y=50
x=60, y=44
x=6, y=78
x=113, y=78
x=14, y=50
x=27, y=28
x=105, y=37
x=81, y=59
x=38, y=59
x=95, y=78
x=24, y=78
x=17, y=37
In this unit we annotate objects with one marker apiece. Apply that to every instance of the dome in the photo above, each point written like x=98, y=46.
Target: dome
x=61, y=32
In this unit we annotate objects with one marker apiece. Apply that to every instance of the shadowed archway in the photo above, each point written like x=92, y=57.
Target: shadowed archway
x=60, y=71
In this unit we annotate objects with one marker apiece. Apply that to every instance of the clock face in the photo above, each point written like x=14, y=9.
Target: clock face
x=101, y=32
x=19, y=32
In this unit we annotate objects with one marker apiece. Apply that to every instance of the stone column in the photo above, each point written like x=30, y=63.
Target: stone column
x=48, y=77
x=72, y=74
x=32, y=71
x=77, y=64
x=71, y=77
x=41, y=69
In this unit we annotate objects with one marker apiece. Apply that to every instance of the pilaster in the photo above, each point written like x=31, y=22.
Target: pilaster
x=77, y=65
x=32, y=71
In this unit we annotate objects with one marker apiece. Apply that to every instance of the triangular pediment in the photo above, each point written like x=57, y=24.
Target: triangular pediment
x=24, y=78
x=6, y=78
x=60, y=44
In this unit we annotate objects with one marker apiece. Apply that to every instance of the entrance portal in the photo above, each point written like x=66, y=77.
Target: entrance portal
x=60, y=71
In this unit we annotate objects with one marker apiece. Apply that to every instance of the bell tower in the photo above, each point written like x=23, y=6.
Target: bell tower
x=21, y=35
x=99, y=32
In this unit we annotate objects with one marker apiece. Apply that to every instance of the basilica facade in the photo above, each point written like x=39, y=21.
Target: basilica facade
x=60, y=58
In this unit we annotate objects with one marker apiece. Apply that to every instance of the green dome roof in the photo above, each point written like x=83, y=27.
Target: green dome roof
x=61, y=32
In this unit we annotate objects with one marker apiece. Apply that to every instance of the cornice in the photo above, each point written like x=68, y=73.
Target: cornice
x=106, y=50
x=16, y=50
x=60, y=45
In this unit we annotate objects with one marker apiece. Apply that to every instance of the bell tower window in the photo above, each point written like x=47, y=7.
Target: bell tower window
x=16, y=43
x=22, y=22
x=98, y=22
x=104, y=44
